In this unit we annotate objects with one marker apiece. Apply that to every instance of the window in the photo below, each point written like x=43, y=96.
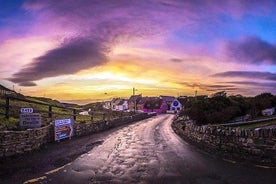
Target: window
x=175, y=103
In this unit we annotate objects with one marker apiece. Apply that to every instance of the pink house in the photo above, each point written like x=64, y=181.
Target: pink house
x=155, y=104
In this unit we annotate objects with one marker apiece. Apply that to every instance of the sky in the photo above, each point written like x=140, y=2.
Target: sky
x=93, y=50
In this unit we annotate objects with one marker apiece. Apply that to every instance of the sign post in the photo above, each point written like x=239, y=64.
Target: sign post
x=28, y=119
x=26, y=110
x=63, y=129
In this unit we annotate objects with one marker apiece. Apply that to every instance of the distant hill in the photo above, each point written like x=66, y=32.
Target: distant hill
x=45, y=100
x=93, y=106
x=6, y=91
x=70, y=105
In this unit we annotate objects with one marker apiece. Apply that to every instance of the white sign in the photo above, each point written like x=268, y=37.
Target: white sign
x=26, y=110
x=31, y=120
x=63, y=129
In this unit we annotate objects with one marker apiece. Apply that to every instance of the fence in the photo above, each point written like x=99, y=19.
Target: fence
x=10, y=107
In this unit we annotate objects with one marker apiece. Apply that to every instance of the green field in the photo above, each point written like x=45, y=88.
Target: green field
x=58, y=112
x=257, y=125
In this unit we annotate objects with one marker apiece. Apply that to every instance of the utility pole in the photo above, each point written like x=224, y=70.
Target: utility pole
x=109, y=108
x=135, y=103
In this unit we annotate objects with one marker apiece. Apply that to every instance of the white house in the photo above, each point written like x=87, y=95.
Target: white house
x=86, y=113
x=268, y=112
x=114, y=103
x=175, y=106
x=107, y=105
x=122, y=105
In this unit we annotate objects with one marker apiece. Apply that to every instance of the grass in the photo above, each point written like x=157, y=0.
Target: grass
x=9, y=123
x=257, y=125
x=57, y=113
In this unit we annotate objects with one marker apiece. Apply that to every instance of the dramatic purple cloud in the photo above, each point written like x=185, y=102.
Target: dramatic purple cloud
x=93, y=28
x=252, y=50
x=215, y=87
x=70, y=57
x=255, y=84
x=223, y=89
x=219, y=86
x=27, y=83
x=96, y=28
x=247, y=74
x=176, y=60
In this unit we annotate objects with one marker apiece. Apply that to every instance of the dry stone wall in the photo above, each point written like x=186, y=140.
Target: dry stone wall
x=258, y=145
x=19, y=142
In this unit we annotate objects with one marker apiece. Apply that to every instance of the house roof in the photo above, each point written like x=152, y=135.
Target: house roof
x=269, y=110
x=153, y=103
x=122, y=101
x=134, y=98
x=115, y=100
x=167, y=98
x=143, y=100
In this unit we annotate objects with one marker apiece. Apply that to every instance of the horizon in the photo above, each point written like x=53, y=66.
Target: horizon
x=97, y=50
x=88, y=101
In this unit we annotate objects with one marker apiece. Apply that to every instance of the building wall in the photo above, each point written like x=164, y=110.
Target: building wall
x=160, y=110
x=122, y=107
x=175, y=108
x=268, y=112
x=140, y=106
x=131, y=105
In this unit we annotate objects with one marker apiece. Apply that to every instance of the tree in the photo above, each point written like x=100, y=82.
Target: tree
x=217, y=109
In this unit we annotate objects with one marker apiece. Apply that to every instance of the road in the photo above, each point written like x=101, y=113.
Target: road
x=150, y=152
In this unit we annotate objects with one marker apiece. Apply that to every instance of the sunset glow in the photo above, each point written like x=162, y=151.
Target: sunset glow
x=87, y=51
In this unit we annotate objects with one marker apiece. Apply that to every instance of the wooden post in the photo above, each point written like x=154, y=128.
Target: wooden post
x=135, y=106
x=75, y=114
x=7, y=114
x=91, y=116
x=50, y=112
x=103, y=116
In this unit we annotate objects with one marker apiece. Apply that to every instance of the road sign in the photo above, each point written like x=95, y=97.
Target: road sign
x=30, y=120
x=26, y=110
x=63, y=129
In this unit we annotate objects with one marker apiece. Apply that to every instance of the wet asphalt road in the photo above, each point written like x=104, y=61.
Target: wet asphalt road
x=150, y=152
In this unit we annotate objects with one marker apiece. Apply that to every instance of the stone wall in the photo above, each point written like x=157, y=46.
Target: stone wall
x=18, y=142
x=258, y=145
x=81, y=129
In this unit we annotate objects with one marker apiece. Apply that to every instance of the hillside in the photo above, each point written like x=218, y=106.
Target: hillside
x=45, y=100
x=41, y=105
x=5, y=89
